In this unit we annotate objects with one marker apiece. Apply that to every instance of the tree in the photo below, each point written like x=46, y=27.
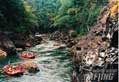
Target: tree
x=15, y=17
x=44, y=10
x=77, y=14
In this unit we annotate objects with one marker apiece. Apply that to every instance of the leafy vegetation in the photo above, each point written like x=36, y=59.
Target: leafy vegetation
x=79, y=15
x=46, y=15
x=15, y=17
x=44, y=10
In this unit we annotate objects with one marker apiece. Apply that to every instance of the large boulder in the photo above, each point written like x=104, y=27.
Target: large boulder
x=6, y=44
x=3, y=54
x=22, y=44
x=30, y=66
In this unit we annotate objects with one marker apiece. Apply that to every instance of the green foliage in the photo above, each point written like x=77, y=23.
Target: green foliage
x=74, y=34
x=64, y=21
x=65, y=4
x=80, y=15
x=14, y=17
x=73, y=11
x=44, y=10
x=40, y=15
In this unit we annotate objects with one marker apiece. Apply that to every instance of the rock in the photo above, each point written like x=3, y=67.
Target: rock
x=55, y=35
x=22, y=44
x=44, y=36
x=74, y=77
x=90, y=57
x=73, y=33
x=19, y=49
x=30, y=66
x=25, y=40
x=102, y=54
x=3, y=54
x=6, y=44
x=99, y=47
x=114, y=40
x=71, y=43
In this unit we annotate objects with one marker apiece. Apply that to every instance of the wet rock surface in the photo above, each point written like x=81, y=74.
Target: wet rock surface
x=98, y=49
x=15, y=42
x=30, y=66
x=3, y=54
x=6, y=44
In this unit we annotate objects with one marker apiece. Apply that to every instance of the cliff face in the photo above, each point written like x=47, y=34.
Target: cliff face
x=99, y=48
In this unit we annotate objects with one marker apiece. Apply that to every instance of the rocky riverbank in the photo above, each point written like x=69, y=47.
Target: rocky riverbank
x=10, y=42
x=98, y=50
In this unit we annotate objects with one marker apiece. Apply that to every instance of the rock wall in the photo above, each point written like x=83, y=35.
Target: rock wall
x=99, y=48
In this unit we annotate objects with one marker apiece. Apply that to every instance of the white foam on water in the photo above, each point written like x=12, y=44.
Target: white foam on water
x=51, y=69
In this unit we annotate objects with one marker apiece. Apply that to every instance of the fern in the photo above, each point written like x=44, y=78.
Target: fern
x=82, y=14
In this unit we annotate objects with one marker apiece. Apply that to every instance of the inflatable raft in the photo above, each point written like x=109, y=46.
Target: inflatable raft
x=13, y=70
x=27, y=55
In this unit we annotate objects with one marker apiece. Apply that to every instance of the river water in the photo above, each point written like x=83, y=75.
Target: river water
x=55, y=65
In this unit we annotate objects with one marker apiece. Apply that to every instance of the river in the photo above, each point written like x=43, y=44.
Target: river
x=55, y=65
